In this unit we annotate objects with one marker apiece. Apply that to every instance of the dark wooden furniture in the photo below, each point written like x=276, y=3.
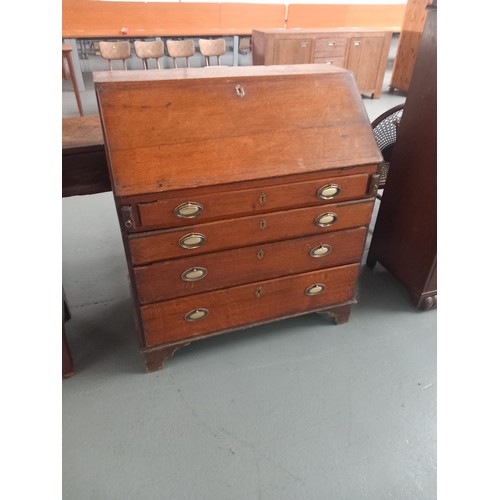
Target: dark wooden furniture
x=84, y=164
x=405, y=234
x=66, y=56
x=362, y=51
x=244, y=195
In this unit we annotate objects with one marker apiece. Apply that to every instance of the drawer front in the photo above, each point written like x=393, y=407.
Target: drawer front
x=192, y=275
x=191, y=208
x=220, y=310
x=331, y=46
x=336, y=61
x=247, y=231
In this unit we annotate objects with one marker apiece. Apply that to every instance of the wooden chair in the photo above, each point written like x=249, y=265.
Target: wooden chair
x=112, y=51
x=180, y=48
x=215, y=47
x=149, y=50
x=385, y=129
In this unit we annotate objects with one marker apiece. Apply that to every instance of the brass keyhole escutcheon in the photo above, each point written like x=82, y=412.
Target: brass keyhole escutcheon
x=263, y=224
x=260, y=254
x=129, y=223
x=240, y=91
x=259, y=292
x=262, y=199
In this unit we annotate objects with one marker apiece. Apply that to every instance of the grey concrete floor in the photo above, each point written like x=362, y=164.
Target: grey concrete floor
x=296, y=409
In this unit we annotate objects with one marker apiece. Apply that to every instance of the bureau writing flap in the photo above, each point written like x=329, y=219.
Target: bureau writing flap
x=183, y=128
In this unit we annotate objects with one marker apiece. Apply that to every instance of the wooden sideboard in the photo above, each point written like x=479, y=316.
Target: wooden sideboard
x=244, y=195
x=362, y=51
x=405, y=235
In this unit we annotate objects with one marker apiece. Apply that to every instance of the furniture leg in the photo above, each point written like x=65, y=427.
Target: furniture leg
x=66, y=51
x=155, y=358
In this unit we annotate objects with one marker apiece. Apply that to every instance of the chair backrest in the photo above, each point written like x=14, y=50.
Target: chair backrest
x=215, y=47
x=149, y=50
x=180, y=48
x=114, y=50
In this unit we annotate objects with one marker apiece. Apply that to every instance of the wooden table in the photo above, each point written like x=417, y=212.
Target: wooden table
x=84, y=165
x=66, y=54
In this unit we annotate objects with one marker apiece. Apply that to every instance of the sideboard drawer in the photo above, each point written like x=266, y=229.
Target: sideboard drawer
x=202, y=273
x=336, y=61
x=331, y=46
x=206, y=207
x=150, y=247
x=212, y=312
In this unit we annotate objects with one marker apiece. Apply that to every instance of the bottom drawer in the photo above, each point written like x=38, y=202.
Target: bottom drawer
x=187, y=317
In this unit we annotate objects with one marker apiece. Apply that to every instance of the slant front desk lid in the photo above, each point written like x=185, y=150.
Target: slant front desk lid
x=184, y=128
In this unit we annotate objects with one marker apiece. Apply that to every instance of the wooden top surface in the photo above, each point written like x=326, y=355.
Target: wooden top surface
x=134, y=76
x=299, y=31
x=81, y=132
x=177, y=129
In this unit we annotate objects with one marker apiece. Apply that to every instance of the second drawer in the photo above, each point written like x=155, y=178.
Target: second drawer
x=202, y=273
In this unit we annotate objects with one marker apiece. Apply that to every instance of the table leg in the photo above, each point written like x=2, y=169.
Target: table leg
x=69, y=60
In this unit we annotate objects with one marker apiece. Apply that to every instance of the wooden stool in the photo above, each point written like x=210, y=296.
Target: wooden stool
x=66, y=54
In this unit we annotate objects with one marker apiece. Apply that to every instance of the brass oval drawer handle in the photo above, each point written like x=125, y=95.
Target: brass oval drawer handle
x=188, y=210
x=326, y=219
x=328, y=191
x=315, y=289
x=320, y=250
x=192, y=240
x=196, y=315
x=331, y=44
x=194, y=274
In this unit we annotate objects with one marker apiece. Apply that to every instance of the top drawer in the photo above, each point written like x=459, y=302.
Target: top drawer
x=331, y=46
x=190, y=209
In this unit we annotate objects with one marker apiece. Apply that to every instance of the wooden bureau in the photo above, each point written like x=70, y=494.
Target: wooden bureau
x=243, y=194
x=360, y=50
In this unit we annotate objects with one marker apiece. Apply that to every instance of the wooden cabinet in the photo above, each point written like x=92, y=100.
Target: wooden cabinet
x=364, y=52
x=405, y=234
x=244, y=195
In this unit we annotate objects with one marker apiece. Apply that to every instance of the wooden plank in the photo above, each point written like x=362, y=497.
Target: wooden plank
x=240, y=18
x=98, y=19
x=87, y=18
x=413, y=25
x=389, y=17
